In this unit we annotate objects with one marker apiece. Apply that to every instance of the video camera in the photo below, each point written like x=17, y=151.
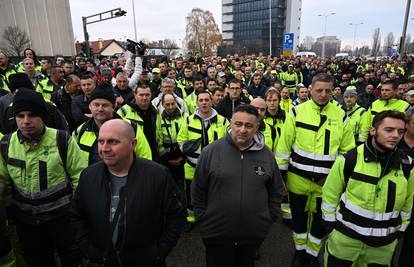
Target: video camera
x=136, y=48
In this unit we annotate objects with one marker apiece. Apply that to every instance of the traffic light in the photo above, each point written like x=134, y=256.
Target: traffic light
x=120, y=13
x=84, y=48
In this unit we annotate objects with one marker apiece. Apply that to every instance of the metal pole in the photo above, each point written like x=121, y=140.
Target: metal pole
x=270, y=27
x=135, y=23
x=355, y=30
x=404, y=33
x=86, y=36
x=324, y=37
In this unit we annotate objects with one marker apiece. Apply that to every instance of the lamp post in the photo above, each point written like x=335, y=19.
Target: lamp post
x=324, y=31
x=270, y=27
x=135, y=23
x=404, y=32
x=110, y=14
x=355, y=30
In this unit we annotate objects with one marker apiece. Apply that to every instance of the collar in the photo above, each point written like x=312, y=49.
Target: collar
x=176, y=114
x=371, y=155
x=34, y=140
x=281, y=114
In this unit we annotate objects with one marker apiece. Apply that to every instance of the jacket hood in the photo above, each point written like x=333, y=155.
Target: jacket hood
x=213, y=114
x=258, y=141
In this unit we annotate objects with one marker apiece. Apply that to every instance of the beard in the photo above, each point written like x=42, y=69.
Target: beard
x=381, y=146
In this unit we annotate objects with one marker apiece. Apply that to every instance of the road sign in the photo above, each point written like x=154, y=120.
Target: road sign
x=288, y=41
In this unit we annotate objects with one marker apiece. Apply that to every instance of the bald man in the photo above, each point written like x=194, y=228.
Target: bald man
x=270, y=133
x=140, y=198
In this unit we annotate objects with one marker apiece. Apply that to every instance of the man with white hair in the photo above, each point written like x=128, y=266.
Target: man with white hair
x=123, y=92
x=167, y=87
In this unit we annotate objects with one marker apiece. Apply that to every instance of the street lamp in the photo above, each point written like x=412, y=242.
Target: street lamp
x=355, y=30
x=324, y=31
x=135, y=23
x=404, y=32
x=270, y=27
x=110, y=14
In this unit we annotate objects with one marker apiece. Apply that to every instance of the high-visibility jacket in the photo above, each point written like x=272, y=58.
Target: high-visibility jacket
x=271, y=135
x=46, y=87
x=354, y=116
x=376, y=107
x=20, y=67
x=276, y=121
x=191, y=101
x=86, y=135
x=369, y=202
x=311, y=139
x=207, y=131
x=168, y=132
x=290, y=80
x=182, y=84
x=4, y=76
x=128, y=112
x=286, y=104
x=41, y=173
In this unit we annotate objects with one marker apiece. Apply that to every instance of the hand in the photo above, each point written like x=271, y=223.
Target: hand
x=119, y=100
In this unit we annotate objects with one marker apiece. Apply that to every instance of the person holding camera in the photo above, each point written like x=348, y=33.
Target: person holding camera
x=168, y=148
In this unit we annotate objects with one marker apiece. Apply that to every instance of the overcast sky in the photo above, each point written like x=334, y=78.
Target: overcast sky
x=160, y=19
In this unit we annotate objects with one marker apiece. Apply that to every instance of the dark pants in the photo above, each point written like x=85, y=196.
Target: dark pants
x=231, y=255
x=5, y=246
x=406, y=257
x=40, y=242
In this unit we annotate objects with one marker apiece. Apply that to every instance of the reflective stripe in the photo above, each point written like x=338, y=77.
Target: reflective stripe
x=300, y=247
x=313, y=156
x=403, y=227
x=328, y=207
x=282, y=155
x=368, y=213
x=300, y=236
x=376, y=232
x=309, y=168
x=314, y=240
x=405, y=215
x=283, y=167
x=41, y=194
x=192, y=160
x=362, y=140
x=328, y=217
x=61, y=202
x=312, y=252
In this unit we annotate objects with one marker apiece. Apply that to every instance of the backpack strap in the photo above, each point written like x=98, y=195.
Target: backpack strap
x=350, y=162
x=62, y=140
x=4, y=146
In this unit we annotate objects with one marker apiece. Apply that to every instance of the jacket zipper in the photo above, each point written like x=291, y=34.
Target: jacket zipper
x=241, y=191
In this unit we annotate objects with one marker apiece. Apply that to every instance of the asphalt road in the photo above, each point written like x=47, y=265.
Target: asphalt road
x=276, y=250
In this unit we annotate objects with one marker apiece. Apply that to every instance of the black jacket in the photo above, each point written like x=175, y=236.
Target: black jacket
x=226, y=106
x=149, y=224
x=80, y=107
x=256, y=91
x=63, y=102
x=235, y=194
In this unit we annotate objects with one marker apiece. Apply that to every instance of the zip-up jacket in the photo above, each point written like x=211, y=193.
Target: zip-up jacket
x=312, y=138
x=236, y=194
x=371, y=202
x=149, y=224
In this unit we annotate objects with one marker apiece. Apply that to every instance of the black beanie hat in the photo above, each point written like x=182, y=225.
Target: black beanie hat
x=19, y=80
x=29, y=100
x=103, y=91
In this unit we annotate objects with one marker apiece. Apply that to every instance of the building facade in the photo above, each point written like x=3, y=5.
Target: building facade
x=247, y=25
x=48, y=24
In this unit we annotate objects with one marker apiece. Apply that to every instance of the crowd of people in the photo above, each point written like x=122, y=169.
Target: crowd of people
x=107, y=161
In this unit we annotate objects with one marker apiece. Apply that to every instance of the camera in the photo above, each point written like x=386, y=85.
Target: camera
x=136, y=48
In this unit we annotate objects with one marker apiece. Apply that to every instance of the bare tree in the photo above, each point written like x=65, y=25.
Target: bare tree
x=388, y=43
x=376, y=42
x=16, y=40
x=169, y=47
x=202, y=32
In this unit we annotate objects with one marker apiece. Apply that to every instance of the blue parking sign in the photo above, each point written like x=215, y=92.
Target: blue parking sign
x=288, y=41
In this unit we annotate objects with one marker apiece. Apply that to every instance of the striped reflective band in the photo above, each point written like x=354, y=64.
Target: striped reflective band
x=313, y=156
x=368, y=213
x=309, y=168
x=47, y=207
x=283, y=167
x=300, y=236
x=328, y=207
x=314, y=240
x=368, y=231
x=405, y=215
x=328, y=217
x=42, y=194
x=403, y=227
x=282, y=155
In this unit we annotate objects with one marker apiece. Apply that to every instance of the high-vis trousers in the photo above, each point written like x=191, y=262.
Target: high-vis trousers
x=305, y=203
x=344, y=251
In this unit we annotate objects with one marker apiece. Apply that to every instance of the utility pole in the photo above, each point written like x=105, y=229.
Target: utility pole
x=355, y=30
x=404, y=33
x=135, y=23
x=270, y=27
x=324, y=31
x=110, y=14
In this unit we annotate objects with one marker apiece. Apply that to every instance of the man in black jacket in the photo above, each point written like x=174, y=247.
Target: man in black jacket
x=127, y=211
x=232, y=100
x=247, y=188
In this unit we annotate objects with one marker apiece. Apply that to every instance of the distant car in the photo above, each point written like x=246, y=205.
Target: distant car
x=305, y=54
x=342, y=55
